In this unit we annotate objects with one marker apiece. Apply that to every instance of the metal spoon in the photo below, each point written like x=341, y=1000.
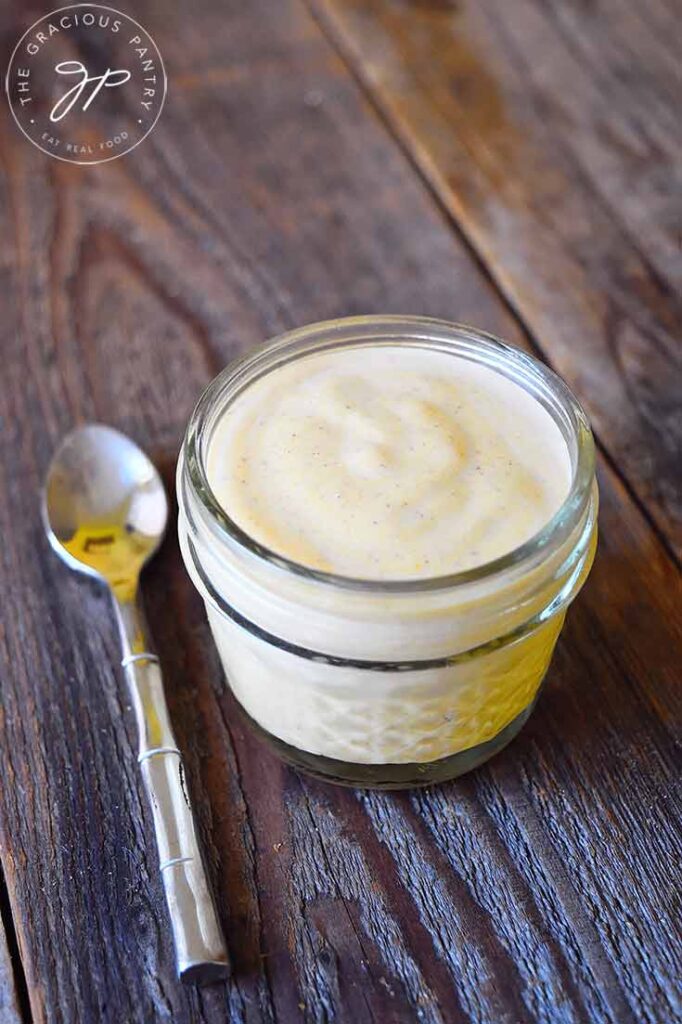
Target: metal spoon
x=105, y=513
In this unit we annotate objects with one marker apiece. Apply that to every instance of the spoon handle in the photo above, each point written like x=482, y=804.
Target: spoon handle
x=201, y=954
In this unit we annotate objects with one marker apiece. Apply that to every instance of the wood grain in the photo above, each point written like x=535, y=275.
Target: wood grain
x=549, y=130
x=542, y=888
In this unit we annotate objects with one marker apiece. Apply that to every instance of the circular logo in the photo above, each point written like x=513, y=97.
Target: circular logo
x=86, y=84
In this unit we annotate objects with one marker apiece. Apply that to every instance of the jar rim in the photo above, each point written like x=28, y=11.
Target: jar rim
x=417, y=331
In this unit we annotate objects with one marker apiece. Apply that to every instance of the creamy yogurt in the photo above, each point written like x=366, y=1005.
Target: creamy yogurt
x=392, y=463
x=388, y=463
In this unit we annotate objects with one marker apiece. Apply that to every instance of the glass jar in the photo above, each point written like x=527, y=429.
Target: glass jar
x=386, y=683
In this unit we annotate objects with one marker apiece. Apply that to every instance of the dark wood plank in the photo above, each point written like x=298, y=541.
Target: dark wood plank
x=550, y=131
x=269, y=195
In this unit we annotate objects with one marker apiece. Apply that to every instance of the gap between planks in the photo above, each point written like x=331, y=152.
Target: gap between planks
x=15, y=1007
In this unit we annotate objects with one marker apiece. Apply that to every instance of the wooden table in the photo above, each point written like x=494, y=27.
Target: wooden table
x=513, y=165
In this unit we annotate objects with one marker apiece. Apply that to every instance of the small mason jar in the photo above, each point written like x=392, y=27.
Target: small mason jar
x=386, y=683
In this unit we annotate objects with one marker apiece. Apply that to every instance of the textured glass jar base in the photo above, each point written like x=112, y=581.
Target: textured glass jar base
x=391, y=776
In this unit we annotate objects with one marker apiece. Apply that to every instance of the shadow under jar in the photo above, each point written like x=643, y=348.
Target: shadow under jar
x=386, y=683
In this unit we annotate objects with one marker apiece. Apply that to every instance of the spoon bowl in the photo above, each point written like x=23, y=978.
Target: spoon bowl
x=105, y=506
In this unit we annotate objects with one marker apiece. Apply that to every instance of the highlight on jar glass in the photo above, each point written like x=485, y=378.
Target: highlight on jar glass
x=387, y=518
